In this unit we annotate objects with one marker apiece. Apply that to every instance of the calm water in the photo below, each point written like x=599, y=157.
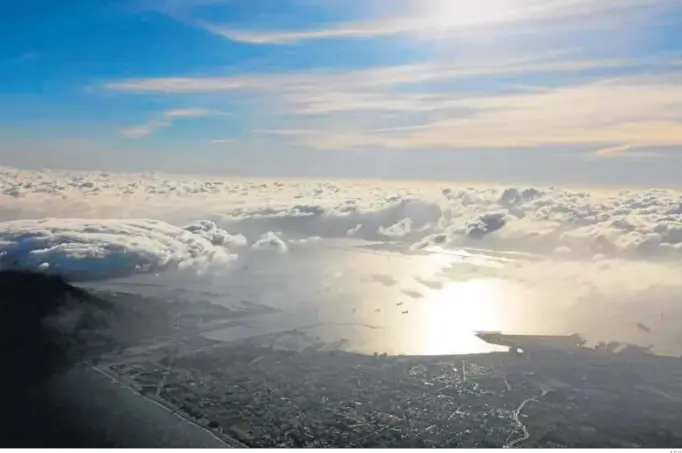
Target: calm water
x=370, y=299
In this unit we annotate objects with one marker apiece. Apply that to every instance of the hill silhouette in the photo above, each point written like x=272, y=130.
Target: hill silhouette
x=31, y=344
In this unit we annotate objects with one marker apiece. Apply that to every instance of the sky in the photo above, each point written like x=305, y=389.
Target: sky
x=541, y=91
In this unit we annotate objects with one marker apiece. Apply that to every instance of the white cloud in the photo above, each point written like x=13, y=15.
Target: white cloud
x=594, y=261
x=186, y=113
x=184, y=84
x=144, y=130
x=398, y=230
x=361, y=109
x=92, y=248
x=622, y=151
x=631, y=224
x=217, y=236
x=361, y=79
x=437, y=19
x=165, y=119
x=271, y=241
x=612, y=151
x=628, y=110
x=284, y=132
x=578, y=257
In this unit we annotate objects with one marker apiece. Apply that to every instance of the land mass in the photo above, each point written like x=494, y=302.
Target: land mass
x=264, y=395
x=290, y=389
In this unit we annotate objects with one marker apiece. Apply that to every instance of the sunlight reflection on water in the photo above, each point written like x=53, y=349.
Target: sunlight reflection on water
x=380, y=302
x=450, y=316
x=365, y=299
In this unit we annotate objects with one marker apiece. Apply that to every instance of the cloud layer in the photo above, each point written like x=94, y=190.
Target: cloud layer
x=94, y=248
x=358, y=109
x=637, y=224
x=574, y=258
x=527, y=95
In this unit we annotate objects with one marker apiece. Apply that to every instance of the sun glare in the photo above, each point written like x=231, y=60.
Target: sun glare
x=449, y=14
x=453, y=314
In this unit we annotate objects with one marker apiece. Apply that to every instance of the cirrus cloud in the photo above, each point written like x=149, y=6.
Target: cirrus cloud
x=165, y=119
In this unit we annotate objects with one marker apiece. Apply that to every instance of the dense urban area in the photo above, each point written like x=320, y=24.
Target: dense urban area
x=262, y=394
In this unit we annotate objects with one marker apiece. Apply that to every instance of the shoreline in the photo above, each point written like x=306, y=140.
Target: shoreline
x=168, y=407
x=264, y=396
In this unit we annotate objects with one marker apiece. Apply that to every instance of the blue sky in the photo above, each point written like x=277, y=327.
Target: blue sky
x=546, y=91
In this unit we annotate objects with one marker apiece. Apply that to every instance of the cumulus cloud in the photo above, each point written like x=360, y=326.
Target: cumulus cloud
x=393, y=217
x=399, y=229
x=577, y=259
x=639, y=224
x=216, y=236
x=629, y=224
x=271, y=241
x=90, y=248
